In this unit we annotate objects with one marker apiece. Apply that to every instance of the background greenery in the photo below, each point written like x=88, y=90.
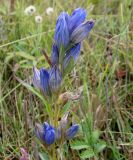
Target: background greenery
x=104, y=70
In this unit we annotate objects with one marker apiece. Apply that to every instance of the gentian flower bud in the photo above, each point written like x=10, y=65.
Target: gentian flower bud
x=36, y=77
x=62, y=126
x=25, y=155
x=81, y=32
x=78, y=16
x=55, y=78
x=39, y=131
x=49, y=136
x=64, y=120
x=44, y=81
x=73, y=54
x=61, y=31
x=55, y=55
x=72, y=131
x=46, y=133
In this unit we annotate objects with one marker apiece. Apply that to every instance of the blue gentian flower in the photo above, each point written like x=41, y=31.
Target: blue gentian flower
x=55, y=55
x=81, y=32
x=49, y=136
x=70, y=32
x=63, y=132
x=46, y=133
x=61, y=31
x=72, y=54
x=55, y=78
x=78, y=16
x=72, y=131
x=47, y=80
x=44, y=81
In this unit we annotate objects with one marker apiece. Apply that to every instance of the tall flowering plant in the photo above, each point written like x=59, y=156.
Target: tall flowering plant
x=70, y=31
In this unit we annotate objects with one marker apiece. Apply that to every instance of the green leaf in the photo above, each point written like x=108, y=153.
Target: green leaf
x=95, y=136
x=87, y=154
x=48, y=108
x=8, y=58
x=100, y=146
x=22, y=54
x=43, y=156
x=66, y=107
x=78, y=145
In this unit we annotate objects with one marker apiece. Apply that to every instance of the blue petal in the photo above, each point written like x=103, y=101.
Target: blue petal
x=81, y=32
x=55, y=78
x=78, y=17
x=55, y=55
x=49, y=136
x=36, y=77
x=46, y=126
x=44, y=79
x=67, y=61
x=61, y=31
x=73, y=53
x=72, y=131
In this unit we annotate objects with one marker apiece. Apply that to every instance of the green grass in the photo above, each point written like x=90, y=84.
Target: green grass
x=104, y=70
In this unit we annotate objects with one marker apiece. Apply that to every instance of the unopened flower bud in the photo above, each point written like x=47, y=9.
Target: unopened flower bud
x=39, y=131
x=72, y=131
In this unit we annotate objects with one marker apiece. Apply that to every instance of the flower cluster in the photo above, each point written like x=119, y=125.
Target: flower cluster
x=47, y=134
x=70, y=31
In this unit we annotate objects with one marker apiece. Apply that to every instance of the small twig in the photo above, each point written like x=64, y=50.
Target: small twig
x=46, y=56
